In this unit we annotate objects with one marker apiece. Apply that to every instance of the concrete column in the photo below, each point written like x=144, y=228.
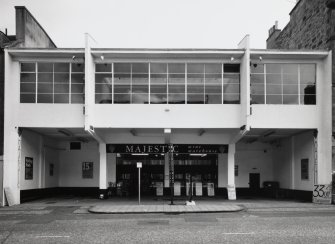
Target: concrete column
x=231, y=164
x=103, y=166
x=166, y=170
x=11, y=176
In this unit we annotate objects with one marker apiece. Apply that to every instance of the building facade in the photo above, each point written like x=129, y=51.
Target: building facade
x=311, y=26
x=29, y=33
x=80, y=120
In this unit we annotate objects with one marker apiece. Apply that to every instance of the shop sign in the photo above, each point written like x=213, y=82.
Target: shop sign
x=165, y=148
x=139, y=164
x=322, y=194
x=29, y=168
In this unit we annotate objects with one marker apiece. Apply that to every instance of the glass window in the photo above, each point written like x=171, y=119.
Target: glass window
x=161, y=83
x=285, y=84
x=54, y=82
x=103, y=68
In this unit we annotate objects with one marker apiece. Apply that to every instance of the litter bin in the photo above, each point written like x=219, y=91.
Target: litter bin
x=271, y=189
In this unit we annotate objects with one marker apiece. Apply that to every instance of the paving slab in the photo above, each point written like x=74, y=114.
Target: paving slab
x=131, y=209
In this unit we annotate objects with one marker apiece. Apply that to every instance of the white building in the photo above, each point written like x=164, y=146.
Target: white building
x=234, y=116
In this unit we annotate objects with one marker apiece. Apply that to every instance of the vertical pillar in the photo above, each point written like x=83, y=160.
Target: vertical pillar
x=231, y=164
x=231, y=172
x=11, y=169
x=103, y=167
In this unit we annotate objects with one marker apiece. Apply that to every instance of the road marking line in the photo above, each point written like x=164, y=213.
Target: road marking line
x=52, y=236
x=240, y=233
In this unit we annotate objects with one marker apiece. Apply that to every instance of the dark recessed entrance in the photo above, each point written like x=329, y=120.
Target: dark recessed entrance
x=201, y=167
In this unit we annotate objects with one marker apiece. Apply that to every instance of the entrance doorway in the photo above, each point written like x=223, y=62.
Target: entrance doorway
x=201, y=167
x=254, y=183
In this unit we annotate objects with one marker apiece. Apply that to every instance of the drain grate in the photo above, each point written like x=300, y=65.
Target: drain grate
x=199, y=219
x=153, y=222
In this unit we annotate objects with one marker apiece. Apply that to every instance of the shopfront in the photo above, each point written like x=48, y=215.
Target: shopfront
x=184, y=163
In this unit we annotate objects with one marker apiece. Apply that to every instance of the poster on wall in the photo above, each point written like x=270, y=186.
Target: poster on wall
x=51, y=169
x=29, y=170
x=87, y=169
x=304, y=169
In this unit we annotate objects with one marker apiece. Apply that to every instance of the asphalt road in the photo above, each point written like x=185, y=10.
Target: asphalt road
x=75, y=225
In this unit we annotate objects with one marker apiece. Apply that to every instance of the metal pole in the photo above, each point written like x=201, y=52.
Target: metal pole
x=139, y=186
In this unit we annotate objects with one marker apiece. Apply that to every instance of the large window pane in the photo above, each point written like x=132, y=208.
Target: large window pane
x=213, y=68
x=176, y=98
x=176, y=68
x=257, y=99
x=158, y=98
x=61, y=78
x=195, y=98
x=27, y=98
x=103, y=68
x=78, y=67
x=231, y=68
x=121, y=98
x=28, y=67
x=62, y=67
x=45, y=88
x=158, y=68
x=45, y=98
x=273, y=68
x=103, y=98
x=274, y=99
x=77, y=98
x=61, y=88
x=231, y=98
x=195, y=68
x=45, y=67
x=61, y=98
x=140, y=68
x=77, y=78
x=290, y=99
x=44, y=77
x=213, y=98
x=28, y=87
x=28, y=77
x=122, y=68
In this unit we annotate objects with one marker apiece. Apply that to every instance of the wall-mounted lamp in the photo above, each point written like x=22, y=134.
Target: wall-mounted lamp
x=260, y=58
x=232, y=59
x=102, y=57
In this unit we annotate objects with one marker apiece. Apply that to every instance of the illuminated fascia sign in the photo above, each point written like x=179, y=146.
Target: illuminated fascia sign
x=164, y=148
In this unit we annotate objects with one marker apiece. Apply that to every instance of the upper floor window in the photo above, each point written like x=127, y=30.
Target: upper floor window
x=52, y=83
x=283, y=83
x=167, y=83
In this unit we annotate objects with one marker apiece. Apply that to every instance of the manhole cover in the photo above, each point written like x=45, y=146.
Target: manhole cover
x=153, y=222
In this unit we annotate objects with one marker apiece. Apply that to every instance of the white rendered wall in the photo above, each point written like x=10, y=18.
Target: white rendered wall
x=50, y=115
x=157, y=116
x=43, y=152
x=287, y=162
x=284, y=116
x=253, y=158
x=70, y=172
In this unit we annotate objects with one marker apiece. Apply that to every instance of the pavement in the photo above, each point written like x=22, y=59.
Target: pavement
x=151, y=205
x=165, y=208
